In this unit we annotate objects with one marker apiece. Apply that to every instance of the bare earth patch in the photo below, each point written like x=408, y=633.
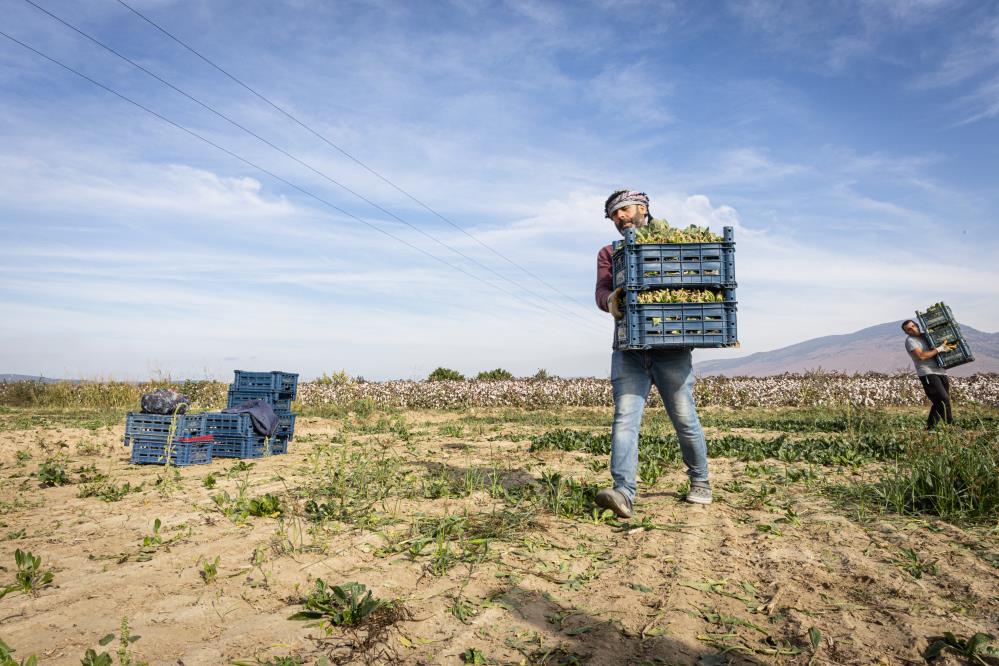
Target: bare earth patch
x=742, y=581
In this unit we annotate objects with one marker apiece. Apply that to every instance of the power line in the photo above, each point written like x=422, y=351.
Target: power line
x=343, y=152
x=287, y=154
x=256, y=166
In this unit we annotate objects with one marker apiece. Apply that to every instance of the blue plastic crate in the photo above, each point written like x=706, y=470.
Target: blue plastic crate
x=248, y=446
x=221, y=424
x=286, y=426
x=181, y=454
x=938, y=325
x=156, y=427
x=936, y=314
x=236, y=397
x=284, y=383
x=659, y=265
x=676, y=325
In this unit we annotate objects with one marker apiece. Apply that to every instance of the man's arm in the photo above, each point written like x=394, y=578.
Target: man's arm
x=605, y=277
x=922, y=355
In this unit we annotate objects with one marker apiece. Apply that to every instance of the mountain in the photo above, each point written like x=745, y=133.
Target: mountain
x=27, y=378
x=877, y=348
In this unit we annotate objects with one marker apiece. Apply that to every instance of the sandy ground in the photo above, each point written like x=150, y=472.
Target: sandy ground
x=741, y=581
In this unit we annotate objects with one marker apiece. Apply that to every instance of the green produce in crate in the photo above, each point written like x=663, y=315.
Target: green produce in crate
x=659, y=231
x=680, y=296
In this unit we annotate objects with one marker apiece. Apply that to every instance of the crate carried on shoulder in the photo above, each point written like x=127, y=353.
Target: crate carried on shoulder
x=690, y=268
x=939, y=327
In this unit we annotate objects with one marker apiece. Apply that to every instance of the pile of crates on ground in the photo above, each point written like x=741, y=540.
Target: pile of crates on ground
x=692, y=267
x=194, y=439
x=940, y=327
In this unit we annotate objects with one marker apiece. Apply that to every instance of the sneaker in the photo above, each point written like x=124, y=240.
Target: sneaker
x=614, y=500
x=699, y=493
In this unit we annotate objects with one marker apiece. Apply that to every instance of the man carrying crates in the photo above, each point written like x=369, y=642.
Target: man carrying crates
x=932, y=376
x=633, y=372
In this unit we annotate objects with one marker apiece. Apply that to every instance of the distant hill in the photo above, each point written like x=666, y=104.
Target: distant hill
x=28, y=378
x=878, y=349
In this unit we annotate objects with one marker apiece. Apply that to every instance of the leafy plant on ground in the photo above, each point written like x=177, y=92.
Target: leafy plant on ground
x=914, y=564
x=267, y=506
x=7, y=657
x=565, y=497
x=153, y=540
x=125, y=640
x=209, y=570
x=91, y=658
x=977, y=649
x=107, y=490
x=29, y=577
x=473, y=656
x=350, y=604
x=52, y=473
x=948, y=475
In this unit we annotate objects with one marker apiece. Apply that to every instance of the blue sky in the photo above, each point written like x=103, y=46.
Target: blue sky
x=853, y=145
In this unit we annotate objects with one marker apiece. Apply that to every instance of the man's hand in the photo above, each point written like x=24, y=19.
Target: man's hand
x=614, y=303
x=946, y=347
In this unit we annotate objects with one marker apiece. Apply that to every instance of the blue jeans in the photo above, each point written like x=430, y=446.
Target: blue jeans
x=632, y=375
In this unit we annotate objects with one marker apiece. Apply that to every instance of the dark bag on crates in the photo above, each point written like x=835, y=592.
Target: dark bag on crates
x=262, y=415
x=165, y=401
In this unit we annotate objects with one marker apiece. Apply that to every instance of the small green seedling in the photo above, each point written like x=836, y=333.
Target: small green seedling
x=209, y=570
x=349, y=604
x=267, y=506
x=29, y=577
x=91, y=658
x=473, y=656
x=915, y=565
x=7, y=659
x=154, y=539
x=977, y=649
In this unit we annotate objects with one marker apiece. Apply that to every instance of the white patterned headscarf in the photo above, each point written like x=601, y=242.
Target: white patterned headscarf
x=624, y=198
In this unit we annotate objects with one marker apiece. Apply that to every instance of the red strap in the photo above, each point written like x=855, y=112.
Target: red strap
x=192, y=440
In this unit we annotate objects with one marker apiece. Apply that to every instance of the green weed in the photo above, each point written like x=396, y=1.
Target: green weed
x=976, y=649
x=52, y=473
x=29, y=577
x=350, y=604
x=209, y=570
x=7, y=657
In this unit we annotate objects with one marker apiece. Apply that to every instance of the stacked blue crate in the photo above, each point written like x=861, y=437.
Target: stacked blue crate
x=939, y=326
x=276, y=388
x=652, y=266
x=158, y=438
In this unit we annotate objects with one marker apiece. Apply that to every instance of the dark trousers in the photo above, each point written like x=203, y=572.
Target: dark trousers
x=937, y=389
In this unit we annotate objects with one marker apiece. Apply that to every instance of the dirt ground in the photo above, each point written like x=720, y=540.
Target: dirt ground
x=742, y=581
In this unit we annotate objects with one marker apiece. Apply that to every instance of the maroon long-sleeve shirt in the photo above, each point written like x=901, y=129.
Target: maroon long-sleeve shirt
x=605, y=276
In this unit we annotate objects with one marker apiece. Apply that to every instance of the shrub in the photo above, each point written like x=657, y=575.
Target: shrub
x=541, y=375
x=445, y=374
x=339, y=378
x=499, y=374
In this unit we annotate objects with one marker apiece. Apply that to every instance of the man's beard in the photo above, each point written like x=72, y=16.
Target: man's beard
x=639, y=221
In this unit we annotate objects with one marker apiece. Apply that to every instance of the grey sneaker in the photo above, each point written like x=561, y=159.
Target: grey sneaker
x=699, y=493
x=615, y=500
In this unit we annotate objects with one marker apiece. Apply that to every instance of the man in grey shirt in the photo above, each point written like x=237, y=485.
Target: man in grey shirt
x=933, y=378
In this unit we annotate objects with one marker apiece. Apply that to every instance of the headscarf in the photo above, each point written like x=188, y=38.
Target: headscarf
x=626, y=198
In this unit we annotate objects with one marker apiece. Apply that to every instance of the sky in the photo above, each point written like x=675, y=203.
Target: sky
x=424, y=186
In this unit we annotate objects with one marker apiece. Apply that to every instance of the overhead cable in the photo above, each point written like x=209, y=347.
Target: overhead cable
x=318, y=172
x=346, y=154
x=260, y=168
